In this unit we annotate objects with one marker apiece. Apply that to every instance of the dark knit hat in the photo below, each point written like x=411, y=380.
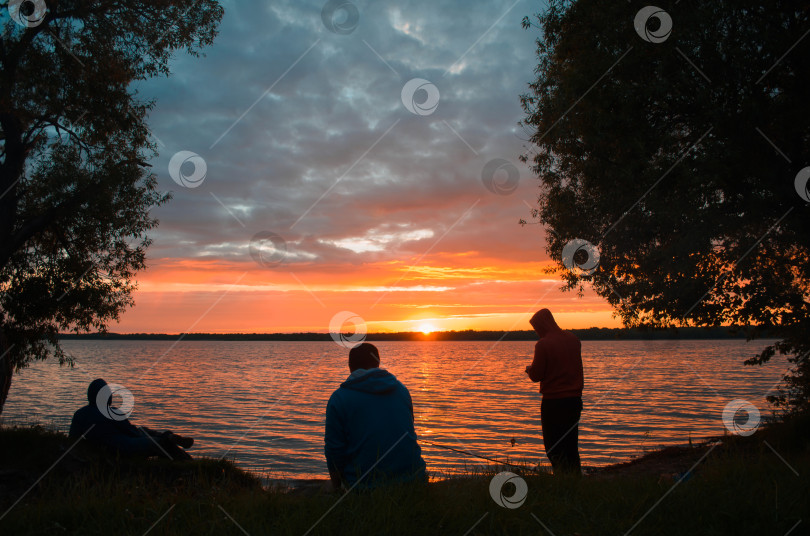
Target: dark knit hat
x=364, y=356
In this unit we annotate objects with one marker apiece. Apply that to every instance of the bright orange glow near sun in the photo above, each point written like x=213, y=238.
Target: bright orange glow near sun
x=427, y=328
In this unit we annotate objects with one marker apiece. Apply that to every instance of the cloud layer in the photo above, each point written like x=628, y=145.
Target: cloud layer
x=305, y=134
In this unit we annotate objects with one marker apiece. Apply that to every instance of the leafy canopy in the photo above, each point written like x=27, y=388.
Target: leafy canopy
x=75, y=190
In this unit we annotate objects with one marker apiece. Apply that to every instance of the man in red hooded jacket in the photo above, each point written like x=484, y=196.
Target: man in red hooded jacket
x=557, y=366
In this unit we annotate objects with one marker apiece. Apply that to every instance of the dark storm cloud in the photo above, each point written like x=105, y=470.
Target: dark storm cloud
x=318, y=123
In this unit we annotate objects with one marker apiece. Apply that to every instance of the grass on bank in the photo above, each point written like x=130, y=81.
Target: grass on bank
x=744, y=485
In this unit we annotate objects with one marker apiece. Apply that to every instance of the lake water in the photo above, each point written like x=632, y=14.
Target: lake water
x=263, y=403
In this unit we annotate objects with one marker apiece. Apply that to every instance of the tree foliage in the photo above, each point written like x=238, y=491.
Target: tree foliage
x=75, y=190
x=677, y=160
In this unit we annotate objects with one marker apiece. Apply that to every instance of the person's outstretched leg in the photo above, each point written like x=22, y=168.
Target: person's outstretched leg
x=170, y=437
x=182, y=441
x=164, y=444
x=171, y=448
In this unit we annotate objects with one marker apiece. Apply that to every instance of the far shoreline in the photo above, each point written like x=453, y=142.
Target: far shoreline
x=589, y=334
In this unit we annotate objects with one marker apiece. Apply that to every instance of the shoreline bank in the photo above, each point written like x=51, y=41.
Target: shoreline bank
x=49, y=485
x=667, y=459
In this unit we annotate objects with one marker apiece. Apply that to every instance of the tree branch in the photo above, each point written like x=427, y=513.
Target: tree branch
x=51, y=215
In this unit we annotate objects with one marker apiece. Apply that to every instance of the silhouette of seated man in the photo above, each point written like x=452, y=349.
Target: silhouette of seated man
x=370, y=436
x=103, y=424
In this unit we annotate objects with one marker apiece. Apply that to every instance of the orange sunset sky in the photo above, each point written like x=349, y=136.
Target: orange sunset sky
x=451, y=292
x=382, y=197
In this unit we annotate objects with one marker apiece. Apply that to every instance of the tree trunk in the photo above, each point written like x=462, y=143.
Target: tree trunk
x=6, y=369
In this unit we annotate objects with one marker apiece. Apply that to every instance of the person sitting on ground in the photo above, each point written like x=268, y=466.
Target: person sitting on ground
x=101, y=424
x=370, y=436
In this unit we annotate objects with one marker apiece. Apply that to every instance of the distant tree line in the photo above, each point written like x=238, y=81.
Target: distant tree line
x=589, y=334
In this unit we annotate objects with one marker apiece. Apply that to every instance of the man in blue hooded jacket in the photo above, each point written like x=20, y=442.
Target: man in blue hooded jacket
x=370, y=436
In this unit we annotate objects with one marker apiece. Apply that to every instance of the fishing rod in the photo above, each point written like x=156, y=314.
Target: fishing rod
x=468, y=453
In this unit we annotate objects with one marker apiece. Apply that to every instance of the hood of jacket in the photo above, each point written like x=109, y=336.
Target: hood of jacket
x=543, y=322
x=94, y=389
x=376, y=381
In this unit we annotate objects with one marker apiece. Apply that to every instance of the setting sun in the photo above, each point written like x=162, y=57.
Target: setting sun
x=427, y=328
